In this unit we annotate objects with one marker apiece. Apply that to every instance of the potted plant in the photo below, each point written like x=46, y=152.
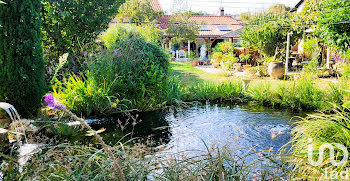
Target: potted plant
x=193, y=58
x=245, y=59
x=275, y=68
x=194, y=63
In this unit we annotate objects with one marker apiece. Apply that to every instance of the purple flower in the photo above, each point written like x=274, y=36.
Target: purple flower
x=115, y=51
x=119, y=55
x=86, y=44
x=50, y=100
x=83, y=52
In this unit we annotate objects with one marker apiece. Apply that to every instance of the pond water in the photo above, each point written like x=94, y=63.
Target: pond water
x=192, y=130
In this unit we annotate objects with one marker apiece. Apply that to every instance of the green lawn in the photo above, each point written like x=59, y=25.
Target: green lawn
x=190, y=75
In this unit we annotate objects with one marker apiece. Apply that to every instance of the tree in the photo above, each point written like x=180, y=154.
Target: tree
x=181, y=28
x=138, y=12
x=245, y=17
x=21, y=59
x=278, y=9
x=267, y=31
x=68, y=25
x=333, y=25
x=266, y=36
x=330, y=21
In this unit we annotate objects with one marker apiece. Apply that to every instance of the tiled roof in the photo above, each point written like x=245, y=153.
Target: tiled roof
x=211, y=22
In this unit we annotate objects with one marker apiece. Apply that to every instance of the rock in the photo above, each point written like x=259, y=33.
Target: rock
x=276, y=70
x=4, y=140
x=26, y=152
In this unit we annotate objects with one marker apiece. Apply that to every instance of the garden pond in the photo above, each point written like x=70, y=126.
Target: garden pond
x=195, y=129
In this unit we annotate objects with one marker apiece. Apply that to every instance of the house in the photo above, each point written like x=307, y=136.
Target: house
x=213, y=30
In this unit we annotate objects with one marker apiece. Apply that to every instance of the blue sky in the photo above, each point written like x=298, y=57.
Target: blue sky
x=231, y=6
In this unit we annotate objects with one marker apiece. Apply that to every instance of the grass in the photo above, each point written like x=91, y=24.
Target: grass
x=79, y=162
x=190, y=75
x=316, y=130
x=137, y=162
x=304, y=94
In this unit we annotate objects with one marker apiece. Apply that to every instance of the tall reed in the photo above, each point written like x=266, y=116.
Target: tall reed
x=315, y=131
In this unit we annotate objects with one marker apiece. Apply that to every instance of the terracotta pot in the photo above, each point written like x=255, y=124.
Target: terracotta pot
x=276, y=70
x=245, y=67
x=216, y=65
x=194, y=63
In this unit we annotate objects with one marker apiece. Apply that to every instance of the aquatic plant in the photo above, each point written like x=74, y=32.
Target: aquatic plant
x=301, y=94
x=210, y=91
x=84, y=96
x=315, y=131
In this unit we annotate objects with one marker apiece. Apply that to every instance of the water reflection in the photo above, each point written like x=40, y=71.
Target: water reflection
x=193, y=130
x=238, y=127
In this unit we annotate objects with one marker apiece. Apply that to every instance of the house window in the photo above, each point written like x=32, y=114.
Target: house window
x=204, y=28
x=223, y=28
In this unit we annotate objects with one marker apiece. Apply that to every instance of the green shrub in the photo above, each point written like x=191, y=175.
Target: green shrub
x=344, y=70
x=22, y=66
x=68, y=25
x=135, y=70
x=224, y=47
x=142, y=70
x=228, y=61
x=114, y=33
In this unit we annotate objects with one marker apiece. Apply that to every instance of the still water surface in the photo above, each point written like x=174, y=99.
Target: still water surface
x=192, y=130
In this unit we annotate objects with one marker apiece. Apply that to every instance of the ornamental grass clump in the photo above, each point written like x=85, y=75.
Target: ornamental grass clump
x=210, y=91
x=78, y=162
x=84, y=96
x=313, y=132
x=302, y=94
